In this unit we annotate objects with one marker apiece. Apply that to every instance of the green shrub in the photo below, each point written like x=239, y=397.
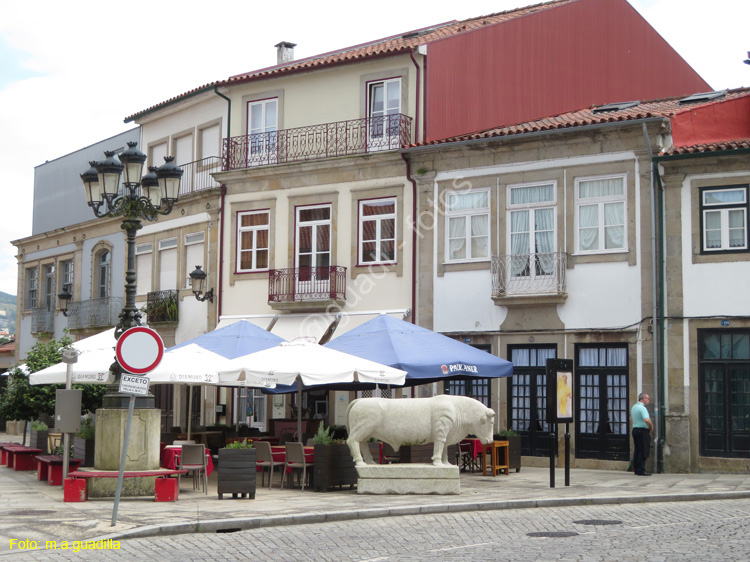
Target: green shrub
x=87, y=431
x=37, y=425
x=504, y=433
x=324, y=436
x=244, y=444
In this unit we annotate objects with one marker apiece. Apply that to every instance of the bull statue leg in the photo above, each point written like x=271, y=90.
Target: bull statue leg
x=356, y=451
x=440, y=450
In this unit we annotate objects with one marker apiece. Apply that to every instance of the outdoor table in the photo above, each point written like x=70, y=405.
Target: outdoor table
x=171, y=454
x=3, y=454
x=50, y=468
x=20, y=457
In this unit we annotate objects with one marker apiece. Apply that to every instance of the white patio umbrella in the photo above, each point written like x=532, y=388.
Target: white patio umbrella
x=309, y=364
x=189, y=365
x=95, y=355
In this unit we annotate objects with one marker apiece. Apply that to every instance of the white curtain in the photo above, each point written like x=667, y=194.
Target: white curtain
x=457, y=238
x=479, y=236
x=614, y=226
x=519, y=243
x=611, y=187
x=588, y=227
x=545, y=240
x=532, y=194
x=469, y=200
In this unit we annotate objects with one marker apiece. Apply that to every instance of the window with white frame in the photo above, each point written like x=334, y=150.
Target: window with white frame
x=262, y=125
x=49, y=286
x=252, y=240
x=724, y=218
x=103, y=273
x=377, y=231
x=168, y=264
x=66, y=274
x=32, y=287
x=194, y=249
x=531, y=229
x=600, y=214
x=144, y=256
x=467, y=225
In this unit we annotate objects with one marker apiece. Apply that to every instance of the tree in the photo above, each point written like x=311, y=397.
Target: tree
x=21, y=401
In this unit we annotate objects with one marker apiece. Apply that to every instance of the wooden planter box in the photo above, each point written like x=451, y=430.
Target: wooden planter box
x=38, y=440
x=514, y=452
x=423, y=453
x=84, y=449
x=237, y=472
x=333, y=467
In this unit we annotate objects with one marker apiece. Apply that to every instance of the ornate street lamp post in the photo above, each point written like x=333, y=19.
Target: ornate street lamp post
x=142, y=198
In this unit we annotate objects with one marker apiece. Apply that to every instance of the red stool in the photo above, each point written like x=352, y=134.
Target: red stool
x=74, y=490
x=166, y=490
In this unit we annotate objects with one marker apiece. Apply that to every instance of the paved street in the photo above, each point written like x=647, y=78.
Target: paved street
x=679, y=531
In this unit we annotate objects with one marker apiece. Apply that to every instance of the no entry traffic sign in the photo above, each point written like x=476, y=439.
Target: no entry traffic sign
x=139, y=350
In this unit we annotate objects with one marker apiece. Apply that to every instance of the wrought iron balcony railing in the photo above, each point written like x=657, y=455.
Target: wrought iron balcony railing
x=529, y=274
x=307, y=284
x=42, y=320
x=94, y=313
x=356, y=136
x=197, y=175
x=162, y=306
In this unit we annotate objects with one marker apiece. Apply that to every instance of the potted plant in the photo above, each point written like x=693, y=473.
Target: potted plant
x=514, y=447
x=333, y=465
x=237, y=470
x=83, y=443
x=39, y=435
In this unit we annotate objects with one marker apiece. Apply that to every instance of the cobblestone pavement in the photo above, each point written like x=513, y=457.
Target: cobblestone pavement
x=656, y=532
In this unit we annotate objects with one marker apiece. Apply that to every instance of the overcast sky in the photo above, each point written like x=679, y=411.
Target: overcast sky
x=63, y=64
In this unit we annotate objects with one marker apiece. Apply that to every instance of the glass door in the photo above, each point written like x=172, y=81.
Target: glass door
x=313, y=255
x=262, y=126
x=384, y=110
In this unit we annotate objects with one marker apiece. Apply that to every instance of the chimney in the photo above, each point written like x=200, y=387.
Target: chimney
x=284, y=52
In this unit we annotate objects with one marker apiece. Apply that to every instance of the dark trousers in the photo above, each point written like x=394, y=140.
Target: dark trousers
x=640, y=454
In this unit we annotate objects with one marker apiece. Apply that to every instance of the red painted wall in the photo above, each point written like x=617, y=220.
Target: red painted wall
x=585, y=53
x=725, y=121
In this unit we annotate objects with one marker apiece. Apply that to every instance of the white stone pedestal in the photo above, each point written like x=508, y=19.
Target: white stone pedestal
x=408, y=479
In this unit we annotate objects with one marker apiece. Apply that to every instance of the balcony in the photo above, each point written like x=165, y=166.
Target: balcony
x=197, y=175
x=42, y=320
x=94, y=313
x=528, y=279
x=162, y=306
x=328, y=140
x=306, y=288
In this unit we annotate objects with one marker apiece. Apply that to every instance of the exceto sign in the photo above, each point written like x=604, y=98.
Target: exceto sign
x=139, y=350
x=131, y=384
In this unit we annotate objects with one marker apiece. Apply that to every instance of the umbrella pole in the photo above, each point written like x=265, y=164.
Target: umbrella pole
x=190, y=408
x=299, y=408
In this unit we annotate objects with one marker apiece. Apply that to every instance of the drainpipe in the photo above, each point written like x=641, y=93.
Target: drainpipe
x=221, y=211
x=220, y=292
x=413, y=240
x=416, y=109
x=229, y=108
x=657, y=318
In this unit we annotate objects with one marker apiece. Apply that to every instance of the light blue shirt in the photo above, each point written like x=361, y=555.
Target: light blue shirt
x=639, y=413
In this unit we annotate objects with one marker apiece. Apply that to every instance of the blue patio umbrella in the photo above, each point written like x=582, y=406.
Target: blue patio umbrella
x=426, y=356
x=235, y=340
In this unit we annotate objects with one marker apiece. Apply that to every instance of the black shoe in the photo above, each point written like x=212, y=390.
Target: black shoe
x=643, y=474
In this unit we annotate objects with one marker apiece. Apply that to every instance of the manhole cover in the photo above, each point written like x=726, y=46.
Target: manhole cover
x=30, y=512
x=552, y=534
x=598, y=522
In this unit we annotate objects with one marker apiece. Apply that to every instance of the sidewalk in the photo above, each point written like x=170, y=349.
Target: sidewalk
x=30, y=509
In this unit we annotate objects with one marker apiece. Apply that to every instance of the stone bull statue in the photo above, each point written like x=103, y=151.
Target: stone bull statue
x=443, y=420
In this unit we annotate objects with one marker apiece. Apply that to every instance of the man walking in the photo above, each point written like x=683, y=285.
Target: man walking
x=642, y=428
